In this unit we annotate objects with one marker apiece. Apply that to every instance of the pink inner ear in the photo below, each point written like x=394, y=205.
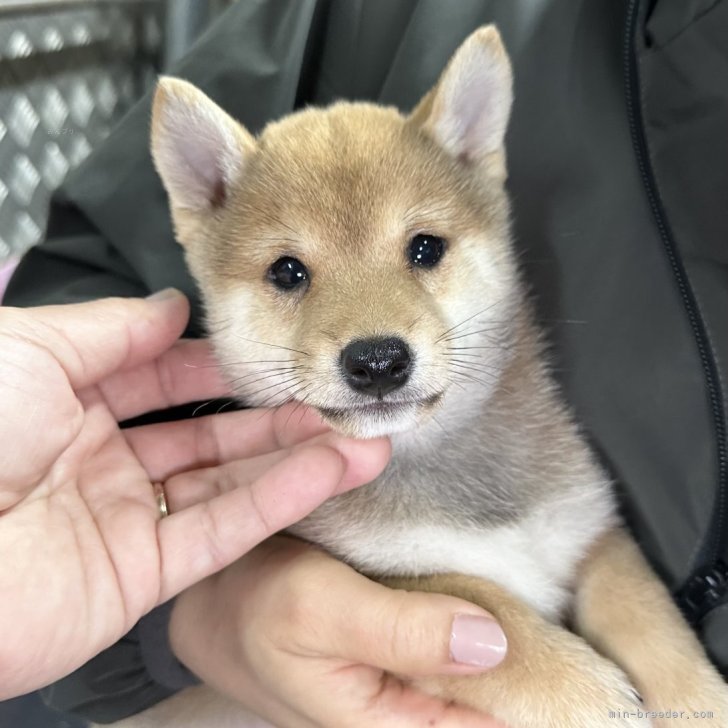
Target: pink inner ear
x=472, y=108
x=475, y=108
x=197, y=154
x=201, y=154
x=475, y=96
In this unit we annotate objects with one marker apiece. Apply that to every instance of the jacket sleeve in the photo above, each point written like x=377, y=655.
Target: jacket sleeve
x=132, y=675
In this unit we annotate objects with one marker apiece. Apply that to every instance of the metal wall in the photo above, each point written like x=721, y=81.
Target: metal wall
x=68, y=72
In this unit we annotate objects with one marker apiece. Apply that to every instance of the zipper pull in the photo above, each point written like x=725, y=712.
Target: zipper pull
x=704, y=591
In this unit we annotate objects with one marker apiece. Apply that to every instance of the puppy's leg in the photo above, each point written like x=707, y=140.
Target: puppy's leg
x=626, y=613
x=550, y=678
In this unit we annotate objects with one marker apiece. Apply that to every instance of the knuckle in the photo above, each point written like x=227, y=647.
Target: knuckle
x=165, y=378
x=408, y=635
x=298, y=604
x=209, y=527
x=205, y=441
x=395, y=626
x=259, y=509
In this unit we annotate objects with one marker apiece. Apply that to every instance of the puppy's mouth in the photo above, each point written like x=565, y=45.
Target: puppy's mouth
x=380, y=409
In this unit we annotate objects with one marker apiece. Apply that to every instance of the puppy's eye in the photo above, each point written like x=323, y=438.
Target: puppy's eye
x=287, y=273
x=426, y=250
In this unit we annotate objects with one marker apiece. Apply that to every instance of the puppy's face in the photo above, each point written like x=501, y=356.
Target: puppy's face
x=351, y=258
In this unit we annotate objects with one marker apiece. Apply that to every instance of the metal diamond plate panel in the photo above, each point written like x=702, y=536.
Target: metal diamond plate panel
x=67, y=74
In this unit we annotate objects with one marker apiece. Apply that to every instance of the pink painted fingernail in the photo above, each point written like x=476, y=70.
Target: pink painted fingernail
x=478, y=641
x=164, y=295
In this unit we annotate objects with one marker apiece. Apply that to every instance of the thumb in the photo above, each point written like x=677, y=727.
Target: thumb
x=414, y=633
x=92, y=340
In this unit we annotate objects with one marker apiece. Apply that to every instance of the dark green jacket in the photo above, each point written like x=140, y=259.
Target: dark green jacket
x=618, y=157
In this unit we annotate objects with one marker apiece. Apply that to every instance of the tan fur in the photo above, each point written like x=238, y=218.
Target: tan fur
x=626, y=614
x=344, y=189
x=282, y=214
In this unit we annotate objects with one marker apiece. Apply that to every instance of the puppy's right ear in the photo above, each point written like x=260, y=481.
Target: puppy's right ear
x=198, y=149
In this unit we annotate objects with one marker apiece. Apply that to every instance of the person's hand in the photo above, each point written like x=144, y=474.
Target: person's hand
x=304, y=641
x=83, y=551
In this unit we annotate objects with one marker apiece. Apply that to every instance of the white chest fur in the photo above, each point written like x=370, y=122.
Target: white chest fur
x=534, y=557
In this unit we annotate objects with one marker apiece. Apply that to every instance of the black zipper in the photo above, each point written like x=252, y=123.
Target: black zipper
x=707, y=586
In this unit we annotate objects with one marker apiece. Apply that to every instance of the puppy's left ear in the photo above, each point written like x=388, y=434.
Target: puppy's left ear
x=467, y=112
x=199, y=151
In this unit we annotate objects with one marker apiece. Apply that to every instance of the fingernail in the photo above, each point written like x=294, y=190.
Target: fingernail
x=477, y=641
x=164, y=294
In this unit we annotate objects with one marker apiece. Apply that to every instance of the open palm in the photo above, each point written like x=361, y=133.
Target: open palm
x=84, y=551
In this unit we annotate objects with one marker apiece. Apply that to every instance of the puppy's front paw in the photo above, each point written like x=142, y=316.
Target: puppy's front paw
x=564, y=684
x=607, y=698
x=701, y=698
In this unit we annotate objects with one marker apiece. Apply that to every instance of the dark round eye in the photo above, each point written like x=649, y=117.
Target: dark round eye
x=288, y=273
x=426, y=250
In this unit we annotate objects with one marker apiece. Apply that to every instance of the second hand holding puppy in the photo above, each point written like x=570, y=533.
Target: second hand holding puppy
x=304, y=640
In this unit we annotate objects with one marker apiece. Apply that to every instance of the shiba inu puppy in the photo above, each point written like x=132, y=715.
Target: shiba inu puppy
x=359, y=261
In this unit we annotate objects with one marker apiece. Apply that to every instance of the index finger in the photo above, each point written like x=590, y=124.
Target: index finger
x=207, y=537
x=92, y=340
x=165, y=449
x=186, y=372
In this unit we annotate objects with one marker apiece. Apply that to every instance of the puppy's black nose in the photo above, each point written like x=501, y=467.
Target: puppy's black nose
x=376, y=366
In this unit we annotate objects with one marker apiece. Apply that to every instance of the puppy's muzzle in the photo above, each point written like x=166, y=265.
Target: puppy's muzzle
x=375, y=367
